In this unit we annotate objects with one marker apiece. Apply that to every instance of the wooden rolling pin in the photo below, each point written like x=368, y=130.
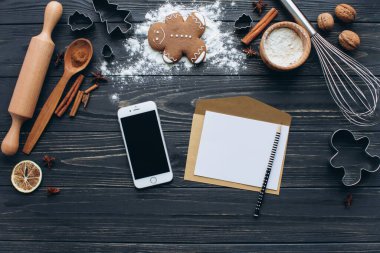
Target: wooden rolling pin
x=31, y=78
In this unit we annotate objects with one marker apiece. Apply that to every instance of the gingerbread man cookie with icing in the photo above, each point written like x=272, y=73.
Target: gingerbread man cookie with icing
x=177, y=37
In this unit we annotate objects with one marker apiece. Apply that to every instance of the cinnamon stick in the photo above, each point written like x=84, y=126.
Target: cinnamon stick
x=93, y=87
x=260, y=26
x=76, y=104
x=66, y=101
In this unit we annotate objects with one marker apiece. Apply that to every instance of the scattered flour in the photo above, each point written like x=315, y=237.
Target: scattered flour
x=115, y=98
x=283, y=47
x=142, y=60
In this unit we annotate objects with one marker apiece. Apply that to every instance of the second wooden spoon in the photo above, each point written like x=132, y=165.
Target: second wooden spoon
x=77, y=57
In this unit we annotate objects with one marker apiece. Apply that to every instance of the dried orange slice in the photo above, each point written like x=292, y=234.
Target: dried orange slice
x=26, y=176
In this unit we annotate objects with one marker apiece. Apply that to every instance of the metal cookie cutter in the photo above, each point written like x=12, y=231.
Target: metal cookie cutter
x=243, y=23
x=110, y=12
x=107, y=51
x=79, y=21
x=352, y=156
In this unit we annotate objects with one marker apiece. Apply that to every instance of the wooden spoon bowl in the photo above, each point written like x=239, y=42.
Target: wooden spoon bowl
x=78, y=55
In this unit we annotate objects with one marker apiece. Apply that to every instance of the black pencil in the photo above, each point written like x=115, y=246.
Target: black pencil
x=267, y=173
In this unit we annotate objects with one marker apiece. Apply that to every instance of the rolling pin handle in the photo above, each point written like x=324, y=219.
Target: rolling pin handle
x=10, y=144
x=53, y=13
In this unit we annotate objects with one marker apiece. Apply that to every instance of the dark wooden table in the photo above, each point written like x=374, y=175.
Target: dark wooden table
x=99, y=210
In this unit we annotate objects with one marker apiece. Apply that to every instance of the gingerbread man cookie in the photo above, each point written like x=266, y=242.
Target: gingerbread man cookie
x=177, y=37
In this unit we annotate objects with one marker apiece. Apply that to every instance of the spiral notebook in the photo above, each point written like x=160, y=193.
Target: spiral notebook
x=241, y=107
x=237, y=149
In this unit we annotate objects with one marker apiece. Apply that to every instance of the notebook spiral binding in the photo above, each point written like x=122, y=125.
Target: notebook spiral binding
x=267, y=174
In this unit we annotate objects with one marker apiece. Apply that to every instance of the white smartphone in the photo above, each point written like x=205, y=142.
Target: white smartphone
x=145, y=145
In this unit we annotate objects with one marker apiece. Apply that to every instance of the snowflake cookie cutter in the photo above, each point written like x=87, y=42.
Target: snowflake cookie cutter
x=79, y=21
x=243, y=23
x=352, y=156
x=107, y=10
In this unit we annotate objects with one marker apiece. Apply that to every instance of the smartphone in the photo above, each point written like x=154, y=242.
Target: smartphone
x=145, y=145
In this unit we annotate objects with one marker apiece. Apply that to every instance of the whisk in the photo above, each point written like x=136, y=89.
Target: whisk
x=352, y=86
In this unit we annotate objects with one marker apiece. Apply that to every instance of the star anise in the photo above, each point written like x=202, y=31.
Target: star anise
x=98, y=77
x=250, y=52
x=259, y=6
x=48, y=161
x=53, y=190
x=348, y=200
x=59, y=59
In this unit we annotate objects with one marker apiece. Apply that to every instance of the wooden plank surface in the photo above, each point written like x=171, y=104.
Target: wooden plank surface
x=74, y=247
x=306, y=98
x=15, y=41
x=30, y=12
x=99, y=210
x=99, y=159
x=169, y=215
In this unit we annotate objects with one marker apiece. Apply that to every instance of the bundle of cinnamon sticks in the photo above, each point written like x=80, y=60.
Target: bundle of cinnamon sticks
x=260, y=26
x=80, y=97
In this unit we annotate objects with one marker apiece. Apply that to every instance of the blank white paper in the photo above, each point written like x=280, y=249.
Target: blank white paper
x=237, y=149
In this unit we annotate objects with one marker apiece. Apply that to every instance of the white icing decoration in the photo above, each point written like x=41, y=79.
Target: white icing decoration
x=176, y=35
x=201, y=58
x=200, y=17
x=163, y=37
x=197, y=58
x=157, y=38
x=157, y=31
x=186, y=36
x=171, y=35
x=166, y=59
x=181, y=36
x=190, y=36
x=174, y=15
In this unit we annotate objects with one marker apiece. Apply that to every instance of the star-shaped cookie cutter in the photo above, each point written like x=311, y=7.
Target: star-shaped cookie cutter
x=352, y=156
x=106, y=11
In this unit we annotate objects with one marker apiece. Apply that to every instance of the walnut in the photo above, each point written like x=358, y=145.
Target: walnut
x=349, y=40
x=346, y=13
x=325, y=21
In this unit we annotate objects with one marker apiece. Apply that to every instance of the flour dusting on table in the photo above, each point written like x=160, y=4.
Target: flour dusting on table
x=141, y=59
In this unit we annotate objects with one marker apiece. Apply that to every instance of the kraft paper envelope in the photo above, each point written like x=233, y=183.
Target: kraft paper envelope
x=243, y=106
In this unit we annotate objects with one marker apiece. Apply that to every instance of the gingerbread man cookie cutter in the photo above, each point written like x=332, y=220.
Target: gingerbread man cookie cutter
x=352, y=156
x=177, y=37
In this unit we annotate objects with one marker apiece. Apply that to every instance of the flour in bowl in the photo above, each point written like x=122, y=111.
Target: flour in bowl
x=283, y=47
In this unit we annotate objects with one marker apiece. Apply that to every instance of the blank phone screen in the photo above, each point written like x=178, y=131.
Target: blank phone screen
x=145, y=145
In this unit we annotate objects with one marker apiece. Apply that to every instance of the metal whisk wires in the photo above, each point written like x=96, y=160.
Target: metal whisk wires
x=353, y=87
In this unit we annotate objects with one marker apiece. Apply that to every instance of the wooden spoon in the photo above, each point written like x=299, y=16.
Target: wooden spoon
x=77, y=57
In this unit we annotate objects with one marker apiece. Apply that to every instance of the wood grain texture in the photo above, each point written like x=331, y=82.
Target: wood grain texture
x=98, y=159
x=160, y=215
x=306, y=99
x=99, y=210
x=28, y=12
x=74, y=247
x=15, y=40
